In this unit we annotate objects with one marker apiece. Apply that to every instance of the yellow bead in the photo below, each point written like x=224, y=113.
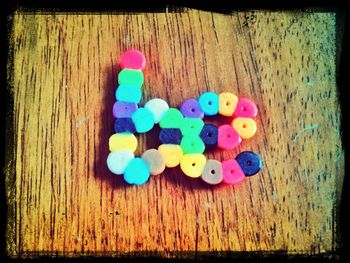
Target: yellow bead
x=123, y=141
x=245, y=127
x=227, y=103
x=171, y=153
x=193, y=164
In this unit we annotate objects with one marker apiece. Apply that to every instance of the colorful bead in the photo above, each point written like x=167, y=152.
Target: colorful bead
x=128, y=93
x=227, y=103
x=249, y=162
x=228, y=138
x=118, y=160
x=124, y=125
x=137, y=171
x=193, y=164
x=192, y=144
x=143, y=120
x=154, y=160
x=133, y=59
x=246, y=108
x=158, y=107
x=245, y=127
x=122, y=141
x=171, y=153
x=209, y=135
x=212, y=172
x=170, y=136
x=171, y=119
x=123, y=109
x=232, y=172
x=191, y=126
x=209, y=103
x=191, y=108
x=130, y=77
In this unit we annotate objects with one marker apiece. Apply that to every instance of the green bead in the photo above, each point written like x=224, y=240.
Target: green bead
x=172, y=118
x=192, y=144
x=130, y=77
x=192, y=126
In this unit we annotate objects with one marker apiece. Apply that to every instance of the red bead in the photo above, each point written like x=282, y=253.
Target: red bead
x=245, y=108
x=232, y=172
x=228, y=138
x=133, y=59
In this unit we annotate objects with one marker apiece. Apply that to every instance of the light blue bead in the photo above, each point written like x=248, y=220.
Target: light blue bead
x=209, y=103
x=137, y=171
x=143, y=120
x=128, y=93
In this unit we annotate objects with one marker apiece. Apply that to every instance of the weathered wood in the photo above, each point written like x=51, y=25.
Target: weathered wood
x=67, y=203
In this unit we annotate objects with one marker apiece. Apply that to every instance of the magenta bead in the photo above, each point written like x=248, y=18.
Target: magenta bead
x=124, y=109
x=232, y=172
x=228, y=138
x=190, y=108
x=245, y=108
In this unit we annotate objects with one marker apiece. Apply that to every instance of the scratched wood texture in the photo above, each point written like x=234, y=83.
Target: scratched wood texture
x=63, y=200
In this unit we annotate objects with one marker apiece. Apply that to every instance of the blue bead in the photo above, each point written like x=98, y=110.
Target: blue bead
x=170, y=136
x=209, y=103
x=250, y=162
x=128, y=93
x=124, y=125
x=209, y=135
x=137, y=171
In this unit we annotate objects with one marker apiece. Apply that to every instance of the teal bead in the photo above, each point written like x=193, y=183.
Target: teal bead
x=137, y=171
x=130, y=77
x=143, y=120
x=191, y=126
x=128, y=93
x=209, y=103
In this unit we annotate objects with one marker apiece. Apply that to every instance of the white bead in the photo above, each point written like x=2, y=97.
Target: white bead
x=118, y=160
x=158, y=107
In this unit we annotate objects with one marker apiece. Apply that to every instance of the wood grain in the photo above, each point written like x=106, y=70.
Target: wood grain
x=64, y=201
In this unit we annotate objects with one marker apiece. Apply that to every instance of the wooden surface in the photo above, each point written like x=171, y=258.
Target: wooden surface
x=64, y=201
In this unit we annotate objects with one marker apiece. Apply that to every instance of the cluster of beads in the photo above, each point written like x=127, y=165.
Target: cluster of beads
x=183, y=135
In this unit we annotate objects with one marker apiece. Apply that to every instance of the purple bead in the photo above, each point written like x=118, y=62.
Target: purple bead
x=124, y=109
x=190, y=108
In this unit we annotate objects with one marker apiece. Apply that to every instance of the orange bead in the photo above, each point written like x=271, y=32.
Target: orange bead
x=245, y=127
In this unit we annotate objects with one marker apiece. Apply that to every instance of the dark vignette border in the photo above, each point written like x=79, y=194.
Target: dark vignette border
x=8, y=167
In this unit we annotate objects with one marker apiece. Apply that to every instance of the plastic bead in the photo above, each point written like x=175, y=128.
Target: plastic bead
x=192, y=144
x=130, y=77
x=124, y=125
x=170, y=136
x=249, y=162
x=191, y=126
x=212, y=172
x=246, y=108
x=118, y=160
x=232, y=172
x=123, y=109
x=158, y=107
x=209, y=135
x=143, y=120
x=227, y=103
x=245, y=127
x=133, y=59
x=154, y=160
x=228, y=138
x=191, y=108
x=137, y=171
x=171, y=154
x=172, y=118
x=128, y=93
x=209, y=103
x=123, y=141
x=193, y=164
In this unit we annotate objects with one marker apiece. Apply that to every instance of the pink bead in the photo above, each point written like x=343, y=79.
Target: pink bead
x=228, y=138
x=133, y=59
x=232, y=172
x=245, y=108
